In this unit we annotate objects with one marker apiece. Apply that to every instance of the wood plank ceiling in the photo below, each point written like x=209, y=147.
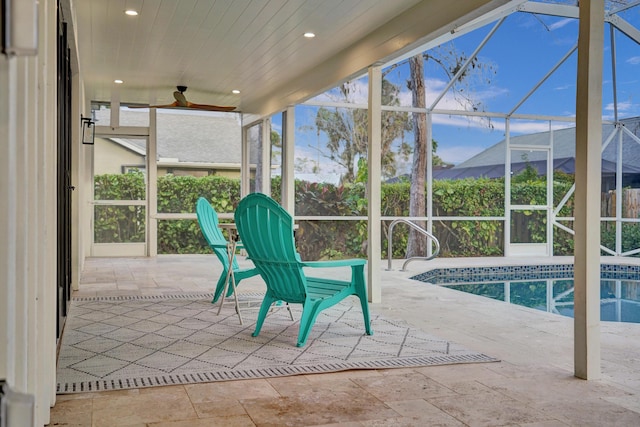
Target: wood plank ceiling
x=216, y=46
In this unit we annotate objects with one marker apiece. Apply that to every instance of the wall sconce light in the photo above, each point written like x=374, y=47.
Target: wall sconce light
x=88, y=129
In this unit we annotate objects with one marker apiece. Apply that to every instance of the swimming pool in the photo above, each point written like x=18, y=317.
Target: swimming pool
x=546, y=287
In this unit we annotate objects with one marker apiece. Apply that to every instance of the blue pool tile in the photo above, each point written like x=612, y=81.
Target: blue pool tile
x=516, y=272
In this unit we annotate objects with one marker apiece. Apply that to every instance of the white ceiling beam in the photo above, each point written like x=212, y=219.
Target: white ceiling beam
x=566, y=11
x=481, y=21
x=560, y=10
x=623, y=8
x=625, y=27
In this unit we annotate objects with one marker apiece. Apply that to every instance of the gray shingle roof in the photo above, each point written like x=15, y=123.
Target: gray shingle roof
x=189, y=136
x=490, y=162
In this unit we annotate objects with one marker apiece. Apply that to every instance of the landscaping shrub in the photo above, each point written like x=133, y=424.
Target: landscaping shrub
x=334, y=238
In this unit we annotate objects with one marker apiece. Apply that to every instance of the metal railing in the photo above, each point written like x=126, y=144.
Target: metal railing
x=417, y=228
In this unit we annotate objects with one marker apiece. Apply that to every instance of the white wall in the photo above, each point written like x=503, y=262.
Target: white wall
x=109, y=157
x=28, y=218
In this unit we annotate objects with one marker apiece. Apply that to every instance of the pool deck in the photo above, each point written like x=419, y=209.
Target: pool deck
x=532, y=385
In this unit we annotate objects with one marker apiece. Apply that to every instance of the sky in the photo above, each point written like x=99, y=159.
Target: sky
x=522, y=51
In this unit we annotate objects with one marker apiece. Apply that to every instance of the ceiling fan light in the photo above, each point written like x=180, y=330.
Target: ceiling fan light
x=131, y=12
x=309, y=35
x=236, y=91
x=118, y=81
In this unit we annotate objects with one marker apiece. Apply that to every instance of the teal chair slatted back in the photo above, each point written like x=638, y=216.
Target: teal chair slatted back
x=266, y=230
x=267, y=233
x=208, y=221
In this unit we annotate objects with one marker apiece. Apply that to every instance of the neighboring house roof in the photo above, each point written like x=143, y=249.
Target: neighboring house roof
x=135, y=145
x=187, y=137
x=490, y=162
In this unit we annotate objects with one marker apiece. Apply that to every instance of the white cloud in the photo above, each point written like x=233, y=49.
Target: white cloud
x=564, y=87
x=560, y=24
x=306, y=158
x=458, y=154
x=461, y=121
x=434, y=88
x=526, y=127
x=634, y=60
x=622, y=106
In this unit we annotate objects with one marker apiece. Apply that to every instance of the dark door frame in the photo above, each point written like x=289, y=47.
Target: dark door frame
x=64, y=188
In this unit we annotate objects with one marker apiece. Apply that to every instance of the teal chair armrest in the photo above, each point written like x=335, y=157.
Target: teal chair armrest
x=223, y=244
x=219, y=244
x=335, y=263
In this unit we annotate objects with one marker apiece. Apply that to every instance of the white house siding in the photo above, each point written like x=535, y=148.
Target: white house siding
x=27, y=218
x=110, y=157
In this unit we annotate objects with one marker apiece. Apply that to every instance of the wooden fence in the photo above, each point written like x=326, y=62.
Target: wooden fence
x=630, y=203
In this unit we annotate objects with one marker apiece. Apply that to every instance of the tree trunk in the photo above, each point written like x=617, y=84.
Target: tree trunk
x=417, y=244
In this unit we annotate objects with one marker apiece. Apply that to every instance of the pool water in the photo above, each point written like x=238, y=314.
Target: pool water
x=546, y=287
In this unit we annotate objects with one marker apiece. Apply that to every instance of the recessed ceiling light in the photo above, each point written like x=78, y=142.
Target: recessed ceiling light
x=309, y=35
x=118, y=81
x=131, y=12
x=235, y=91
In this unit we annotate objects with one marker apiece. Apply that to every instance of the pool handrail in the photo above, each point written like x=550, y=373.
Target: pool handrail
x=420, y=230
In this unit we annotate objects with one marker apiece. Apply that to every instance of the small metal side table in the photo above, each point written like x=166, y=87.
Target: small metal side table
x=233, y=244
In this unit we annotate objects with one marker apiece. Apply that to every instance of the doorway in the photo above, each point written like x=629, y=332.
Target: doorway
x=529, y=202
x=64, y=187
x=120, y=188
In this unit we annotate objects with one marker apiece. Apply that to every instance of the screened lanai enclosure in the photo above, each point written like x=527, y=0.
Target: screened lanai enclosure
x=477, y=146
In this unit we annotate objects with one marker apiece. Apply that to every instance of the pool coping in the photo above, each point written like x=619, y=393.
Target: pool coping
x=455, y=275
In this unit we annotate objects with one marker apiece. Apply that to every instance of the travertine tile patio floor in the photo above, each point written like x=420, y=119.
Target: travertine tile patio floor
x=532, y=385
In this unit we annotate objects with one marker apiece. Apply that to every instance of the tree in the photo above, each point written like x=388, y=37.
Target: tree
x=456, y=66
x=416, y=245
x=346, y=129
x=276, y=144
x=435, y=159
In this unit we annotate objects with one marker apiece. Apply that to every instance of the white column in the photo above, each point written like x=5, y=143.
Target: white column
x=8, y=195
x=78, y=171
x=77, y=168
x=152, y=185
x=507, y=187
x=47, y=208
x=33, y=261
x=114, y=119
x=266, y=157
x=288, y=153
x=429, y=119
x=374, y=184
x=245, y=172
x=84, y=190
x=21, y=179
x=587, y=195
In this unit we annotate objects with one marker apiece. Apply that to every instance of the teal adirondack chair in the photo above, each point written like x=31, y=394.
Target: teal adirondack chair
x=208, y=221
x=266, y=230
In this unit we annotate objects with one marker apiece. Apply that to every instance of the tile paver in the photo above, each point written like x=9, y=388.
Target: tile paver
x=532, y=386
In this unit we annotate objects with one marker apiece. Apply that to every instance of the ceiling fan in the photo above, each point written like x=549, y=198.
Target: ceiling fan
x=181, y=102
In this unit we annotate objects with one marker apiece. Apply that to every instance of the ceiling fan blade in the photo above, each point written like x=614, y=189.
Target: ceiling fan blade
x=181, y=102
x=207, y=107
x=172, y=105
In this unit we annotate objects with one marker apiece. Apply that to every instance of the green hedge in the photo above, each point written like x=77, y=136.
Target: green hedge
x=329, y=239
x=119, y=223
